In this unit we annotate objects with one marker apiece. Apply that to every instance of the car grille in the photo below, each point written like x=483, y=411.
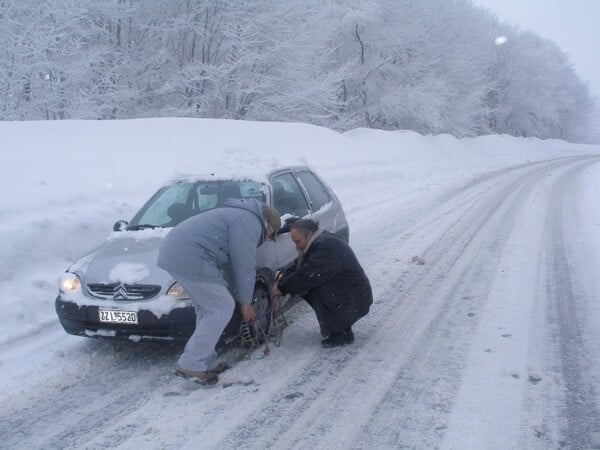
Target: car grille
x=123, y=292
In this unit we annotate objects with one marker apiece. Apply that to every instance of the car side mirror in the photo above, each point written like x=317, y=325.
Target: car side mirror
x=120, y=225
x=287, y=224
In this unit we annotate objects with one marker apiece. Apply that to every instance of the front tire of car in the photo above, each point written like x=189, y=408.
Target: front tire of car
x=261, y=301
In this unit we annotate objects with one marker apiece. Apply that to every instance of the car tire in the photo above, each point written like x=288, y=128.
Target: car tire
x=261, y=300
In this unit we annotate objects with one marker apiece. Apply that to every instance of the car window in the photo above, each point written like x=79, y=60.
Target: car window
x=175, y=203
x=316, y=191
x=251, y=189
x=206, y=195
x=155, y=211
x=288, y=197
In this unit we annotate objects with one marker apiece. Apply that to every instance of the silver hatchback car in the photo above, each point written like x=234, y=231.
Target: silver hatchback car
x=118, y=291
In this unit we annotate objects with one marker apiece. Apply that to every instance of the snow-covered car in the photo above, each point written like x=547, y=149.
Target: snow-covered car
x=118, y=291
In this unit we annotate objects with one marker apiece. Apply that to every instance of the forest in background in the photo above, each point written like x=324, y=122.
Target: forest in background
x=432, y=66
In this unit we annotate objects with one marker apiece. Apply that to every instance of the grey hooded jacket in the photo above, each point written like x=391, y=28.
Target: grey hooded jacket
x=220, y=240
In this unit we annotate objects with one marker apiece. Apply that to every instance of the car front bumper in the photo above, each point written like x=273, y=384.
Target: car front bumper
x=83, y=320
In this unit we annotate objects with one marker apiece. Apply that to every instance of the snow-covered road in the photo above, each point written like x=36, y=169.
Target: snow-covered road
x=483, y=334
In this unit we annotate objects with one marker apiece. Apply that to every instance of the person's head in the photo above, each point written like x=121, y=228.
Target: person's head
x=301, y=232
x=273, y=221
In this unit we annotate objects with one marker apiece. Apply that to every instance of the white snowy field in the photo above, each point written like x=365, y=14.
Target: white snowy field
x=491, y=343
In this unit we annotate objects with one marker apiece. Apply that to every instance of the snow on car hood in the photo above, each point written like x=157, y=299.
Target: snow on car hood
x=127, y=257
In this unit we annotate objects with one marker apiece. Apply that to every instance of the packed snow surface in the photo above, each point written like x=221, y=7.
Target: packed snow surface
x=483, y=254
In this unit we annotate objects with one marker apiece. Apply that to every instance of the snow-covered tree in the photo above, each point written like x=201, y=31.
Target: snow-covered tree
x=432, y=66
x=39, y=42
x=538, y=92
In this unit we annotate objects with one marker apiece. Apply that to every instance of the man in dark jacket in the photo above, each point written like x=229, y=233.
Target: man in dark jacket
x=329, y=277
x=196, y=253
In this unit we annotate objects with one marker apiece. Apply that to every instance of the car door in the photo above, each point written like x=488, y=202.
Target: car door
x=325, y=206
x=298, y=192
x=290, y=200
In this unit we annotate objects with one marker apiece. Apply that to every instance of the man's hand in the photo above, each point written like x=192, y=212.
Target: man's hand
x=275, y=290
x=248, y=313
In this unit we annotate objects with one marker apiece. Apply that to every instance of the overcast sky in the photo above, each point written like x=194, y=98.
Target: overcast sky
x=573, y=24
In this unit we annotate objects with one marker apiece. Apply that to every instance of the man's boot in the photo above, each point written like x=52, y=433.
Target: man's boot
x=339, y=339
x=201, y=377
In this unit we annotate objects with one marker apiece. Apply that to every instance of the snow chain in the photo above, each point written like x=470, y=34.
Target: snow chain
x=277, y=323
x=247, y=341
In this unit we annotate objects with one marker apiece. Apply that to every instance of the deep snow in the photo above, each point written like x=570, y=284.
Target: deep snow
x=65, y=183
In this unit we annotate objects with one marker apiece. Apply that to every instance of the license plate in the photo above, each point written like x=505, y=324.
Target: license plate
x=112, y=316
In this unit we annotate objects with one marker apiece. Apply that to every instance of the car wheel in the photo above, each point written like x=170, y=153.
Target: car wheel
x=261, y=300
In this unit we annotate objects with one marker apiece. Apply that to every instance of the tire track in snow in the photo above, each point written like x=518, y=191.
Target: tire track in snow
x=82, y=402
x=440, y=353
x=564, y=309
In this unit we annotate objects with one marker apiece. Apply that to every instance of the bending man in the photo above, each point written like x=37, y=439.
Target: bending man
x=195, y=253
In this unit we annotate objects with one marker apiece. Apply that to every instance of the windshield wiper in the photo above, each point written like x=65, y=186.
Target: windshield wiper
x=141, y=227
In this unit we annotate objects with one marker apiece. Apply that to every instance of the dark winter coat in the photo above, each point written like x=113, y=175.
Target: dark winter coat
x=331, y=280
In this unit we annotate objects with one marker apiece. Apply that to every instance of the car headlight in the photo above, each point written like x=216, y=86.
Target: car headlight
x=69, y=283
x=178, y=292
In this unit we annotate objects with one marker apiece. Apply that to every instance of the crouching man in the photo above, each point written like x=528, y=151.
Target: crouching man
x=329, y=277
x=195, y=253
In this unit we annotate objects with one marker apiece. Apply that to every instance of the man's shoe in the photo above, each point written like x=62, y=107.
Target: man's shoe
x=339, y=339
x=200, y=377
x=221, y=367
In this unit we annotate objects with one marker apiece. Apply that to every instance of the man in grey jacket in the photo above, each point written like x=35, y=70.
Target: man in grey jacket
x=195, y=253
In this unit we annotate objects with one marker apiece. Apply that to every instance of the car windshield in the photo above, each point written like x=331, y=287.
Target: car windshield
x=174, y=203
